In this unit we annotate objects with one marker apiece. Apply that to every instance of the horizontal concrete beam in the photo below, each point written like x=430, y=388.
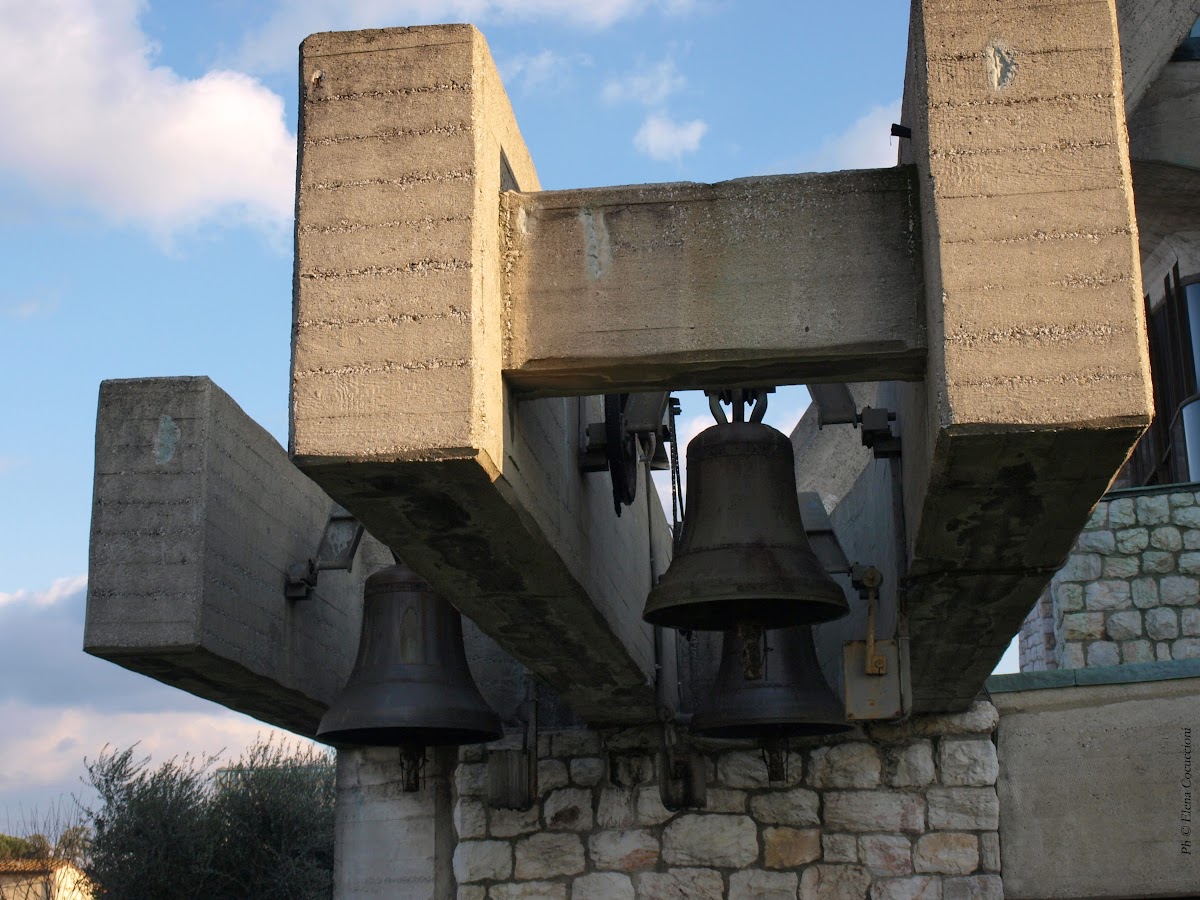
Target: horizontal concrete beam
x=770, y=280
x=197, y=514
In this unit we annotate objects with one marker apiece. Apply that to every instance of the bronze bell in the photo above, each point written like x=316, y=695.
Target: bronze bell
x=743, y=554
x=410, y=686
x=770, y=686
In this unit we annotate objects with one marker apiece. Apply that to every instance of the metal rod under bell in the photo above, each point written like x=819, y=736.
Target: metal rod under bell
x=412, y=764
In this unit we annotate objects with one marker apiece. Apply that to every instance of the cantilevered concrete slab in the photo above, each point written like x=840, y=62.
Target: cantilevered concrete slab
x=1150, y=31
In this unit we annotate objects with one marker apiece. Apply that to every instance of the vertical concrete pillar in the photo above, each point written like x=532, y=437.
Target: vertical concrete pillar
x=389, y=843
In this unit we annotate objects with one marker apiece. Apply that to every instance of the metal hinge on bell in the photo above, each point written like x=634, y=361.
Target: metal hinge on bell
x=339, y=543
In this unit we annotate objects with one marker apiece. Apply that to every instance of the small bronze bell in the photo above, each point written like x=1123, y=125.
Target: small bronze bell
x=743, y=555
x=410, y=686
x=770, y=686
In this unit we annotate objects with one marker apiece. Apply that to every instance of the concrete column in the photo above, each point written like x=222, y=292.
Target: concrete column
x=389, y=843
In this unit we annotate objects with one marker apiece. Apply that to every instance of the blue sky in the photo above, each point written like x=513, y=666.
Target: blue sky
x=146, y=182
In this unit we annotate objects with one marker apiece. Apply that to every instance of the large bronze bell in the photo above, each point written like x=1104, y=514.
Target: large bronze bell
x=743, y=555
x=410, y=686
x=770, y=686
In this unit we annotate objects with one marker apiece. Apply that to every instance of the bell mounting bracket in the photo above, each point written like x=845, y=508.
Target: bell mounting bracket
x=636, y=428
x=339, y=543
x=738, y=399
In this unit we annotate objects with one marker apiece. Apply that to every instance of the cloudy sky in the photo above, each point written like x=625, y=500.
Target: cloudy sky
x=146, y=190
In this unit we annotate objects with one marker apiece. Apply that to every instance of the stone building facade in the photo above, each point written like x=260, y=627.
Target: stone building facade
x=1130, y=590
x=886, y=812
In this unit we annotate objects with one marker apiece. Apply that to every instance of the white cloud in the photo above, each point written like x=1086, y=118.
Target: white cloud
x=60, y=589
x=531, y=71
x=273, y=46
x=866, y=144
x=90, y=118
x=649, y=85
x=664, y=139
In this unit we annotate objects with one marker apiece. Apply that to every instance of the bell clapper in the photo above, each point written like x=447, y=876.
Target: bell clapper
x=754, y=651
x=412, y=766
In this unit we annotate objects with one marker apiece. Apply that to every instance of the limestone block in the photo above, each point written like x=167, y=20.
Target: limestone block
x=602, y=886
x=844, y=766
x=981, y=718
x=1158, y=562
x=615, y=808
x=989, y=851
x=918, y=887
x=974, y=887
x=624, y=851
x=832, y=882
x=1096, y=542
x=1105, y=595
x=946, y=853
x=1162, y=624
x=1189, y=563
x=1145, y=593
x=912, y=765
x=548, y=855
x=1103, y=653
x=1153, y=510
x=1186, y=648
x=1081, y=567
x=1083, y=626
x=839, y=847
x=875, y=811
x=967, y=762
x=755, y=884
x=725, y=800
x=1122, y=513
x=482, y=861
x=1162, y=651
x=1182, y=499
x=472, y=892
x=1137, y=651
x=1132, y=540
x=470, y=819
x=587, y=770
x=506, y=823
x=715, y=840
x=631, y=769
x=789, y=848
x=1179, y=590
x=795, y=807
x=963, y=808
x=1167, y=537
x=1071, y=656
x=1191, y=539
x=1069, y=597
x=1098, y=518
x=886, y=854
x=1124, y=626
x=649, y=809
x=1188, y=517
x=552, y=775
x=575, y=742
x=470, y=779
x=569, y=809
x=745, y=769
x=681, y=884
x=529, y=890
x=1191, y=622
x=1121, y=566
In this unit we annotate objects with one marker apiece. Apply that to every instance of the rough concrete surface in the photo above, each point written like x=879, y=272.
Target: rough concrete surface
x=1097, y=790
x=1150, y=31
x=197, y=514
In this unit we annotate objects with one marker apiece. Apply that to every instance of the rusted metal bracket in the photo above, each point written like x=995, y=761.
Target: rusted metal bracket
x=339, y=544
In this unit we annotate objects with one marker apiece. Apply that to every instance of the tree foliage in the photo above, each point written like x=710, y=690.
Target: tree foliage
x=262, y=828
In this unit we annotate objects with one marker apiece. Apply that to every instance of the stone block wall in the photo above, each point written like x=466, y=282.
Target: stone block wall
x=1130, y=590
x=893, y=811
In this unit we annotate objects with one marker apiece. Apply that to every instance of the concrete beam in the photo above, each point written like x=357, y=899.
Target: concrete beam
x=399, y=409
x=1037, y=382
x=1150, y=31
x=754, y=281
x=197, y=513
